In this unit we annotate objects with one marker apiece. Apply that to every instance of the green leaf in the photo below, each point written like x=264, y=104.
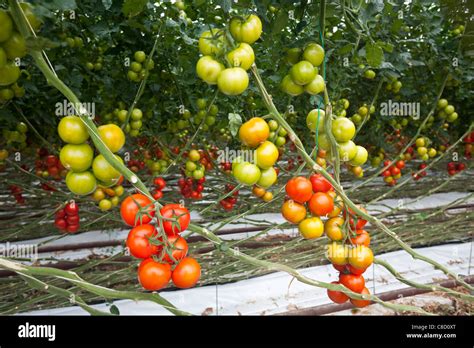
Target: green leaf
x=280, y=21
x=132, y=8
x=374, y=55
x=235, y=121
x=114, y=310
x=346, y=49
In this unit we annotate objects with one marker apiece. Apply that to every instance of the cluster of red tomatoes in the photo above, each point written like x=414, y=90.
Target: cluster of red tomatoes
x=455, y=167
x=135, y=165
x=468, y=141
x=226, y=167
x=393, y=172
x=67, y=219
x=163, y=254
x=160, y=184
x=229, y=202
x=49, y=166
x=191, y=188
x=421, y=174
x=16, y=191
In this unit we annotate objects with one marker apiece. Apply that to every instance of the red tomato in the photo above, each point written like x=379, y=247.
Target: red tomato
x=353, y=282
x=138, y=241
x=72, y=219
x=355, y=222
x=361, y=303
x=60, y=213
x=187, y=273
x=356, y=271
x=60, y=223
x=175, y=211
x=362, y=238
x=153, y=275
x=72, y=228
x=160, y=183
x=394, y=171
x=340, y=268
x=157, y=194
x=400, y=164
x=337, y=296
x=71, y=208
x=179, y=248
x=129, y=210
x=320, y=183
x=321, y=204
x=299, y=189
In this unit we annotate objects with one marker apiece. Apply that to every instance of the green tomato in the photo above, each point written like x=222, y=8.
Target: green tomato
x=267, y=178
x=312, y=120
x=211, y=42
x=208, y=69
x=139, y=56
x=347, y=150
x=246, y=173
x=9, y=74
x=280, y=141
x=289, y=87
x=77, y=158
x=72, y=130
x=303, y=72
x=273, y=125
x=449, y=109
x=324, y=142
x=233, y=81
x=316, y=86
x=210, y=120
x=191, y=166
x=22, y=127
x=266, y=155
x=135, y=125
x=361, y=156
x=15, y=46
x=6, y=26
x=82, y=184
x=198, y=174
x=103, y=170
x=136, y=67
x=3, y=58
x=242, y=56
x=343, y=129
x=293, y=55
x=314, y=54
x=6, y=94
x=452, y=117
x=213, y=110
x=442, y=103
x=136, y=115
x=369, y=74
x=246, y=30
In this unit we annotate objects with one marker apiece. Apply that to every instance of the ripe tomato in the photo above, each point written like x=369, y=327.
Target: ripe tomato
x=337, y=296
x=299, y=189
x=343, y=129
x=160, y=183
x=266, y=155
x=104, y=171
x=233, y=81
x=360, y=257
x=73, y=228
x=337, y=253
x=267, y=178
x=113, y=136
x=9, y=74
x=179, y=248
x=72, y=219
x=132, y=205
x=359, y=223
x=312, y=120
x=208, y=69
x=362, y=238
x=400, y=164
x=72, y=130
x=6, y=26
x=361, y=303
x=311, y=228
x=82, y=183
x=353, y=282
x=316, y=85
x=293, y=211
x=246, y=30
x=153, y=275
x=356, y=271
x=138, y=241
x=288, y=86
x=320, y=183
x=321, y=204
x=60, y=223
x=246, y=173
x=175, y=211
x=360, y=157
x=211, y=42
x=333, y=228
x=187, y=273
x=242, y=56
x=77, y=158
x=314, y=54
x=71, y=208
x=254, y=131
x=303, y=72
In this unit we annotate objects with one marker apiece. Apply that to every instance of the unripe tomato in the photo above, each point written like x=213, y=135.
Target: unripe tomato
x=312, y=120
x=333, y=228
x=132, y=205
x=77, y=158
x=347, y=150
x=369, y=74
x=321, y=204
x=303, y=73
x=299, y=189
x=187, y=273
x=211, y=42
x=324, y=142
x=266, y=155
x=254, y=131
x=233, y=81
x=9, y=74
x=3, y=57
x=83, y=183
x=314, y=54
x=208, y=69
x=105, y=204
x=153, y=275
x=361, y=303
x=343, y=129
x=337, y=296
x=30, y=16
x=293, y=55
x=247, y=30
x=361, y=257
x=361, y=156
x=293, y=211
x=6, y=26
x=267, y=178
x=104, y=171
x=246, y=173
x=267, y=197
x=242, y=56
x=113, y=136
x=15, y=46
x=442, y=103
x=311, y=228
x=288, y=86
x=316, y=85
x=337, y=253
